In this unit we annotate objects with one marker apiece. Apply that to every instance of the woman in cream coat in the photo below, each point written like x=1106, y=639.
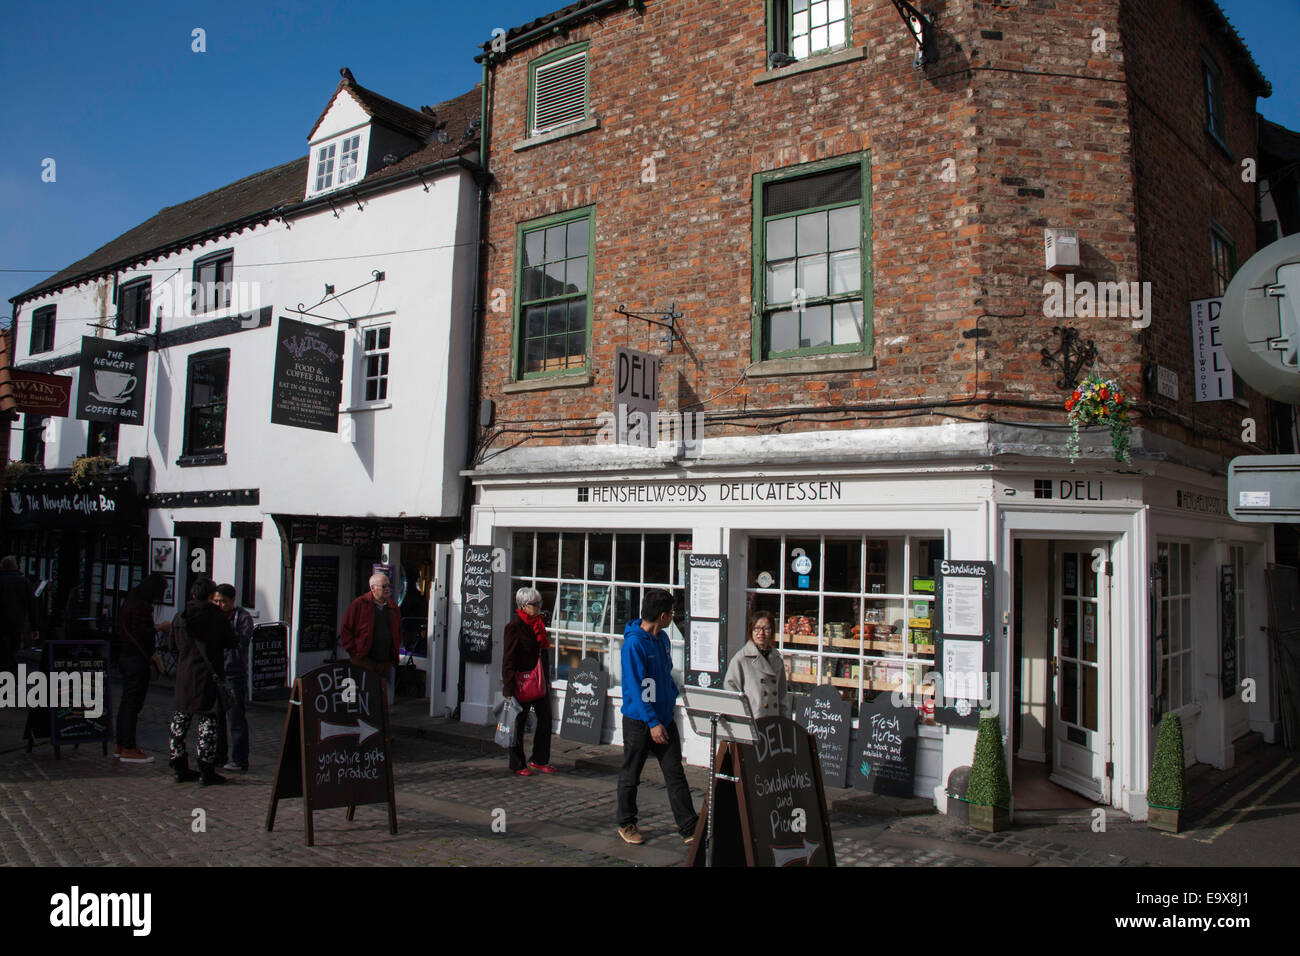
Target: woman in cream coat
x=758, y=671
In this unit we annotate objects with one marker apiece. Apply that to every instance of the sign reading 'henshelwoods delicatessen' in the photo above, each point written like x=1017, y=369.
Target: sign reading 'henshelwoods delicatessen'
x=712, y=491
x=308, y=383
x=111, y=383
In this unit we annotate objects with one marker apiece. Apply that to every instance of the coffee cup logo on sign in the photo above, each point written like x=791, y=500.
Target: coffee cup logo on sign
x=113, y=387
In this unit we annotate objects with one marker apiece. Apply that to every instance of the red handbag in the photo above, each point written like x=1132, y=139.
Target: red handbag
x=531, y=686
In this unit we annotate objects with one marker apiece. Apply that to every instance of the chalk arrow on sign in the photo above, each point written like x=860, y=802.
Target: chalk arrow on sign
x=363, y=730
x=478, y=595
x=785, y=855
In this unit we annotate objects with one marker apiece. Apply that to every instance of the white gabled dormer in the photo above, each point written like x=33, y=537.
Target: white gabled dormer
x=359, y=133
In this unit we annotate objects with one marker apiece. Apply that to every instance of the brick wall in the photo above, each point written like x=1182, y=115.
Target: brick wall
x=1033, y=116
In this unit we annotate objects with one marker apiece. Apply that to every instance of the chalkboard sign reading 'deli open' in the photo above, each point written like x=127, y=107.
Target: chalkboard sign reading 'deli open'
x=828, y=718
x=476, y=605
x=584, y=702
x=334, y=752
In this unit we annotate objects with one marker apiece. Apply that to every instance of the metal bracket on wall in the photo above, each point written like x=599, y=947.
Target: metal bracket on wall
x=667, y=320
x=1072, y=356
x=330, y=296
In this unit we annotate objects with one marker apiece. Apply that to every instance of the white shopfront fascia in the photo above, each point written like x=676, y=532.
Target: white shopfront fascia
x=977, y=510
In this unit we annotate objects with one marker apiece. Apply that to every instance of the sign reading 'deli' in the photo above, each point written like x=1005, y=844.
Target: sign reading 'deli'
x=1211, y=371
x=111, y=383
x=636, y=397
x=308, y=384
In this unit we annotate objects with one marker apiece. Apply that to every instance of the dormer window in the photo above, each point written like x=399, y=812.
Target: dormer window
x=324, y=167
x=347, y=152
x=349, y=155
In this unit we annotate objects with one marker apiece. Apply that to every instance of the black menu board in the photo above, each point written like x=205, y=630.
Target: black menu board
x=334, y=752
x=269, y=658
x=86, y=662
x=318, y=603
x=476, y=605
x=963, y=634
x=584, y=702
x=886, y=748
x=308, y=383
x=829, y=719
x=1227, y=630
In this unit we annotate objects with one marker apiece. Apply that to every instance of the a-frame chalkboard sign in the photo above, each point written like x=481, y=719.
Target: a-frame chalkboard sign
x=774, y=814
x=334, y=752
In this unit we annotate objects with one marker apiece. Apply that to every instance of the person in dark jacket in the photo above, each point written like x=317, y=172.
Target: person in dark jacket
x=135, y=649
x=18, y=613
x=200, y=635
x=526, y=643
x=372, y=640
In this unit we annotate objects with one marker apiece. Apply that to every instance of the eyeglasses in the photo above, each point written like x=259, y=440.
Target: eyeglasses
x=766, y=628
x=533, y=604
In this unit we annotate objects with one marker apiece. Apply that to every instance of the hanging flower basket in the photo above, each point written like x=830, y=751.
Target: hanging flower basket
x=1100, y=401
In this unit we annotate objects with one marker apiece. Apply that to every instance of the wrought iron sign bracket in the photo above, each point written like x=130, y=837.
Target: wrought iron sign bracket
x=1072, y=356
x=330, y=296
x=666, y=320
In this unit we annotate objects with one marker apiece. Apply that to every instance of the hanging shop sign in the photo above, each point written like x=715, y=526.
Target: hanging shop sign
x=334, y=751
x=636, y=397
x=308, y=383
x=964, y=637
x=112, y=382
x=584, y=702
x=828, y=718
x=706, y=614
x=37, y=394
x=775, y=814
x=318, y=603
x=1211, y=370
x=888, y=743
x=476, y=605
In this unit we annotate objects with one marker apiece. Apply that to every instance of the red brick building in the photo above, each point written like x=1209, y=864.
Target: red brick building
x=856, y=251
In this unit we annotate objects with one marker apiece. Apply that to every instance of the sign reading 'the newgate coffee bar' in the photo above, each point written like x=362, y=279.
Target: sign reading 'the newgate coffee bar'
x=111, y=383
x=308, y=383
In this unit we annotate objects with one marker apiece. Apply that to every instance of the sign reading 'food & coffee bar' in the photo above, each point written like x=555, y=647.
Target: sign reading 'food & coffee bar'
x=308, y=384
x=111, y=383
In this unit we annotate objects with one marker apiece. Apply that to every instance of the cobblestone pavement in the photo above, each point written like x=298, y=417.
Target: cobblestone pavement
x=452, y=785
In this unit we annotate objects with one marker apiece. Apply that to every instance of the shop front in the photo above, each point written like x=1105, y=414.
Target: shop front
x=847, y=561
x=82, y=544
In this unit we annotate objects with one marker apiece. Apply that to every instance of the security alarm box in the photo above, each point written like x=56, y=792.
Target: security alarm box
x=1062, y=247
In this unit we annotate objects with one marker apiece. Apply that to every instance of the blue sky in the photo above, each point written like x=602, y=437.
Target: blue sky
x=135, y=120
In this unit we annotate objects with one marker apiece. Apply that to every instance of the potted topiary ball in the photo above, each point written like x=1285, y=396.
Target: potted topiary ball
x=989, y=791
x=1167, y=783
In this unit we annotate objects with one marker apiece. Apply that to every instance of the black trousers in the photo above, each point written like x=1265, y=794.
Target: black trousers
x=135, y=688
x=637, y=746
x=541, y=736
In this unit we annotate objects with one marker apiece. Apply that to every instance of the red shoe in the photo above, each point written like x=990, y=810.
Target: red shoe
x=541, y=767
x=525, y=772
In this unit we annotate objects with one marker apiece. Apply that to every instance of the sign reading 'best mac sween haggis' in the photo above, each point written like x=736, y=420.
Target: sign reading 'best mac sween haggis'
x=111, y=383
x=308, y=383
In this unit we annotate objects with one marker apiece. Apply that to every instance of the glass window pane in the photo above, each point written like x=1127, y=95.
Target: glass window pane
x=571, y=556
x=577, y=238
x=521, y=554
x=800, y=5
x=844, y=565
x=600, y=556
x=811, y=233
x=780, y=239
x=799, y=47
x=846, y=272
x=548, y=554
x=1069, y=628
x=533, y=355
x=1185, y=569
x=533, y=243
x=845, y=224
x=836, y=34
x=835, y=10
x=578, y=316
x=535, y=321
x=785, y=331
x=800, y=27
x=846, y=323
x=816, y=329
x=577, y=348
x=577, y=275
x=534, y=281
x=819, y=39
x=657, y=559
x=812, y=276
x=555, y=237
x=557, y=318
x=780, y=281
x=627, y=557
x=1070, y=692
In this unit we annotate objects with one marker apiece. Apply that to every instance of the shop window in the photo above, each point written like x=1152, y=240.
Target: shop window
x=34, y=439
x=102, y=439
x=133, y=306
x=554, y=293
x=854, y=611
x=1214, y=118
x=812, y=258
x=211, y=287
x=205, y=405
x=42, y=339
x=1175, y=626
x=804, y=28
x=376, y=342
x=592, y=584
x=557, y=93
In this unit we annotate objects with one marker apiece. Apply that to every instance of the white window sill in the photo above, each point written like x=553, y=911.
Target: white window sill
x=573, y=129
x=813, y=364
x=368, y=407
x=573, y=380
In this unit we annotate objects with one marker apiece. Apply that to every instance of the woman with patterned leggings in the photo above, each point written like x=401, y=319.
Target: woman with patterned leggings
x=200, y=635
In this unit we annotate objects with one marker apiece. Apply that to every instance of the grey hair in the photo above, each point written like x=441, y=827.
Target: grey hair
x=379, y=576
x=527, y=596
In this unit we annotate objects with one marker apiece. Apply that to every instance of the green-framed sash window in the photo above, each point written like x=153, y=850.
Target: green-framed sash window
x=804, y=28
x=553, y=289
x=558, y=86
x=1214, y=118
x=812, y=258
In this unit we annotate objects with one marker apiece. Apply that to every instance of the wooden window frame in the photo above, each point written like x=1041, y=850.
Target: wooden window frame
x=215, y=454
x=42, y=337
x=518, y=338
x=128, y=318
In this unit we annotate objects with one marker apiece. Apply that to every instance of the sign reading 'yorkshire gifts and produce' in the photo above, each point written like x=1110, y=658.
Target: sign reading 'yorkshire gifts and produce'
x=308, y=384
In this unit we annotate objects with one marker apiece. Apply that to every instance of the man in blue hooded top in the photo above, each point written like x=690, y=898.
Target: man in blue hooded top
x=649, y=697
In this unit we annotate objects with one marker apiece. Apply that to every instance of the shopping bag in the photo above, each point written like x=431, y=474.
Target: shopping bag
x=505, y=735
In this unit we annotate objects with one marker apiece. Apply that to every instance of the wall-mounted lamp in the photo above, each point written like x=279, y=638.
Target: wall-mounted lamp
x=922, y=29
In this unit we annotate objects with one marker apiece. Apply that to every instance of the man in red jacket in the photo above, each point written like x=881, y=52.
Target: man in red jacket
x=372, y=628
